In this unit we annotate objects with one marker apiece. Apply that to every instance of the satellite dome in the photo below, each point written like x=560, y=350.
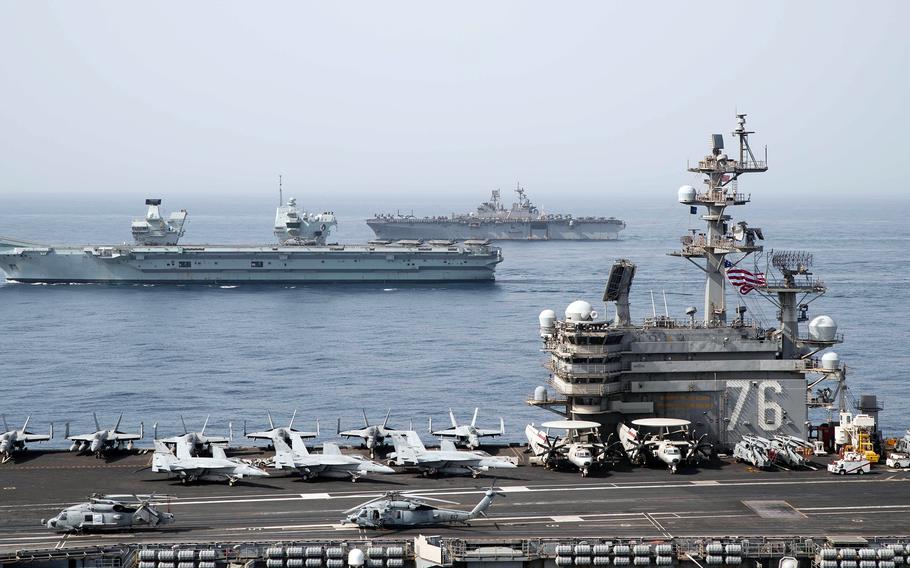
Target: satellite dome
x=830, y=361
x=540, y=394
x=686, y=194
x=822, y=328
x=547, y=318
x=579, y=310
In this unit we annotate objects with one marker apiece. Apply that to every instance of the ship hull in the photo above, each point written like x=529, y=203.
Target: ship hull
x=224, y=265
x=499, y=230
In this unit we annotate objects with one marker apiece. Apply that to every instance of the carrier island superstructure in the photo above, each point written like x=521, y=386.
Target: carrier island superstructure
x=300, y=255
x=723, y=371
x=492, y=220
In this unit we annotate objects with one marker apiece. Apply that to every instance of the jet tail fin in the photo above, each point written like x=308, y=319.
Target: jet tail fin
x=452, y=418
x=117, y=425
x=297, y=444
x=331, y=449
x=183, y=451
x=218, y=452
x=366, y=421
x=5, y=425
x=284, y=457
x=447, y=446
x=162, y=459
x=25, y=426
x=474, y=419
x=97, y=426
x=385, y=422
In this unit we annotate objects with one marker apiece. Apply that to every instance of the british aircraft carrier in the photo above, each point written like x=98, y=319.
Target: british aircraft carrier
x=300, y=255
x=523, y=221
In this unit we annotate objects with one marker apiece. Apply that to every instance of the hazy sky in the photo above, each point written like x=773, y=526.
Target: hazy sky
x=400, y=103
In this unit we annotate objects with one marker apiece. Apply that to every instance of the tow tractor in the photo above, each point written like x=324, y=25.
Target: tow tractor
x=898, y=460
x=852, y=462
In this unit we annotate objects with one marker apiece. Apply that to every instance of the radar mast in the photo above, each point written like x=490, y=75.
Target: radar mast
x=720, y=239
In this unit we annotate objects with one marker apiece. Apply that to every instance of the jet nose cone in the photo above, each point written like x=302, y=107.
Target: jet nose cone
x=383, y=469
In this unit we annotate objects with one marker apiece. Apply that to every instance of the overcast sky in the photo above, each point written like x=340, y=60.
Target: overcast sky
x=390, y=104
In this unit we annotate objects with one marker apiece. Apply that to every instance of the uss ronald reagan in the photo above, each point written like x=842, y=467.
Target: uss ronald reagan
x=301, y=255
x=726, y=373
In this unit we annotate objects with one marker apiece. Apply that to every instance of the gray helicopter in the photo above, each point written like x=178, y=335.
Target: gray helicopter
x=403, y=510
x=109, y=513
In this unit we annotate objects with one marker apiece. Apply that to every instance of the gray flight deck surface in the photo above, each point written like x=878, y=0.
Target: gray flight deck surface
x=724, y=499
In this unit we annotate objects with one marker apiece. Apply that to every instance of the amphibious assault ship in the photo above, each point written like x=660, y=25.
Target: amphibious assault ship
x=523, y=221
x=726, y=373
x=301, y=255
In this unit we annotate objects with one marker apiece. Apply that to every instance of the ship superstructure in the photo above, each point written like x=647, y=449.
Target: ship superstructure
x=302, y=255
x=730, y=376
x=492, y=220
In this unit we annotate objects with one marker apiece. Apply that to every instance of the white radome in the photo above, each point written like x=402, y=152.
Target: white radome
x=547, y=319
x=830, y=361
x=579, y=310
x=822, y=328
x=686, y=194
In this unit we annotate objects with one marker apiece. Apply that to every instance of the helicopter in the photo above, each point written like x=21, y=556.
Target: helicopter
x=403, y=510
x=109, y=513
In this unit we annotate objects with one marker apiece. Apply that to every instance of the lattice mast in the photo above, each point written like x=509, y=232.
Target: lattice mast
x=720, y=238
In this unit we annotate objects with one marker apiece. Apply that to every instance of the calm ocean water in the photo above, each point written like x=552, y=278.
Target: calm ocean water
x=155, y=352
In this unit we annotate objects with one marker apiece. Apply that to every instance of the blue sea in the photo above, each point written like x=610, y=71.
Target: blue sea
x=156, y=352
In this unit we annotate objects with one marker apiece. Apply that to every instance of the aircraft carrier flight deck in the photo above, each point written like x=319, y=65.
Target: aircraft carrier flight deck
x=724, y=498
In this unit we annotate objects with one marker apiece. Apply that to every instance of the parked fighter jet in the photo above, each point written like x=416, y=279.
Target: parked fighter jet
x=410, y=451
x=580, y=448
x=12, y=441
x=670, y=442
x=284, y=432
x=399, y=510
x=101, y=441
x=467, y=435
x=109, y=513
x=373, y=435
x=330, y=463
x=188, y=468
x=198, y=441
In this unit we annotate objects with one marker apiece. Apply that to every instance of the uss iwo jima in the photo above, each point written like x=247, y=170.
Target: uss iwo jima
x=726, y=373
x=492, y=220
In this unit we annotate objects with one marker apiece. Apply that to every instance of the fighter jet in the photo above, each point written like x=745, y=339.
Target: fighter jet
x=467, y=435
x=284, y=432
x=402, y=510
x=102, y=440
x=579, y=449
x=109, y=513
x=198, y=441
x=373, y=435
x=670, y=443
x=188, y=468
x=12, y=441
x=330, y=463
x=410, y=451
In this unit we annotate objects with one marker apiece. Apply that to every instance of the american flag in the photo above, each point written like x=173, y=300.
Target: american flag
x=743, y=279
